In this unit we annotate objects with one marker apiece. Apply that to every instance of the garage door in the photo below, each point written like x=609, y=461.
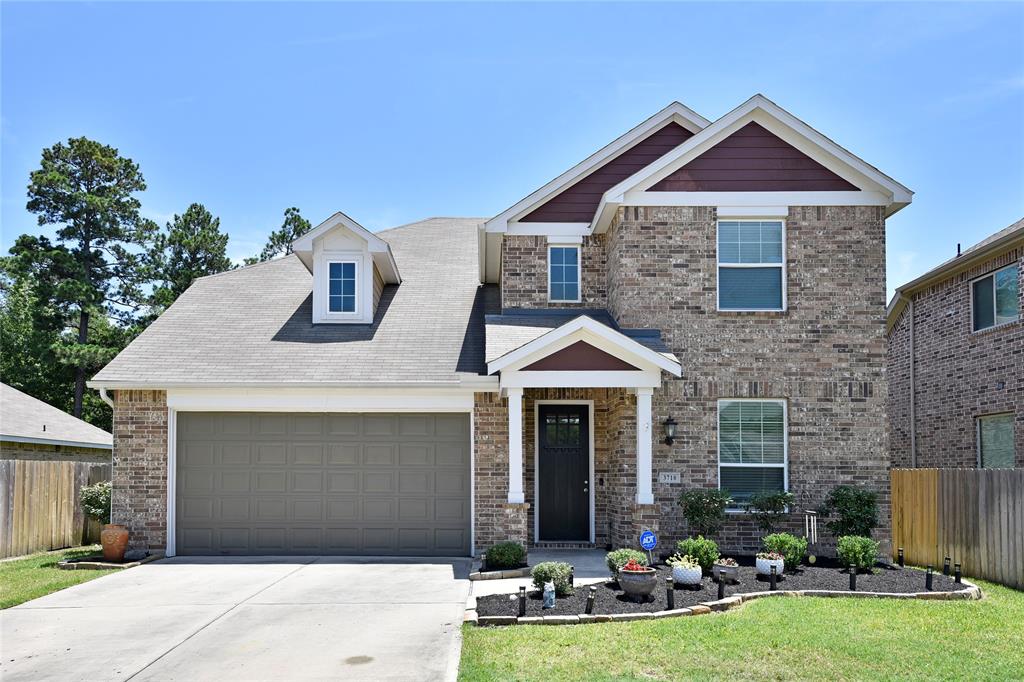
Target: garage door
x=269, y=483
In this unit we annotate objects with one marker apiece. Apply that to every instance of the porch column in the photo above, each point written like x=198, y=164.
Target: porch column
x=515, y=446
x=644, y=491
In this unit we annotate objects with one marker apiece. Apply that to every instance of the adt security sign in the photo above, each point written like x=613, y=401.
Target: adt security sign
x=648, y=540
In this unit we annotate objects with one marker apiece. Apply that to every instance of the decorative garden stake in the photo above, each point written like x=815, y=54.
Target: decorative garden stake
x=956, y=574
x=853, y=578
x=590, y=599
x=721, y=584
x=522, y=600
x=549, y=595
x=773, y=577
x=928, y=579
x=900, y=559
x=945, y=566
x=670, y=596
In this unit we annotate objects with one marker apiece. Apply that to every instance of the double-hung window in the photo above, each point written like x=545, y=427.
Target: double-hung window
x=564, y=274
x=995, y=298
x=752, y=448
x=995, y=441
x=751, y=268
x=342, y=287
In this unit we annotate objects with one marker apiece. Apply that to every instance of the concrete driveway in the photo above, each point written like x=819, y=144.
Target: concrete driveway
x=281, y=618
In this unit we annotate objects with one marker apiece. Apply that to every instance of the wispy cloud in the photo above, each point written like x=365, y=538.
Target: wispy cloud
x=987, y=91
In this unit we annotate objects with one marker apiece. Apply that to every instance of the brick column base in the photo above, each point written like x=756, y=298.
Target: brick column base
x=641, y=517
x=516, y=521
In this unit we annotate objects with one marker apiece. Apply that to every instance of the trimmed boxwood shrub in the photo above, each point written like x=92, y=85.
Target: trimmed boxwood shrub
x=556, y=572
x=505, y=555
x=620, y=557
x=703, y=549
x=858, y=551
x=789, y=546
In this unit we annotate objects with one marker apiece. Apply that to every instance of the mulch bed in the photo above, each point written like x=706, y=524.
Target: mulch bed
x=824, y=575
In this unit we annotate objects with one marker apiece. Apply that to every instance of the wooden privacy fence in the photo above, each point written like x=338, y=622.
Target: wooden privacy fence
x=39, y=505
x=973, y=516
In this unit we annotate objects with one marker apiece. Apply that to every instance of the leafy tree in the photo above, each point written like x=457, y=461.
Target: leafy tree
x=280, y=241
x=87, y=189
x=193, y=246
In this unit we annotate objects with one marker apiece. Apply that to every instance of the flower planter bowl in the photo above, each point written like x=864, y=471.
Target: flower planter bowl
x=638, y=585
x=732, y=573
x=764, y=566
x=684, y=575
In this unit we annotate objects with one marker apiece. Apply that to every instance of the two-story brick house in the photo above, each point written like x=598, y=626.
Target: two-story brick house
x=697, y=304
x=956, y=360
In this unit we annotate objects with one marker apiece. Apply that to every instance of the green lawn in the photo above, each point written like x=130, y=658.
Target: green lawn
x=37, y=574
x=776, y=639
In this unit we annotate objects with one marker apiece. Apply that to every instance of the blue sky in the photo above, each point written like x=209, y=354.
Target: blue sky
x=393, y=113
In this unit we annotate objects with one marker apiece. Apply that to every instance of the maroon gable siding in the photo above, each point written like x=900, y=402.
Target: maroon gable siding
x=753, y=160
x=580, y=357
x=578, y=203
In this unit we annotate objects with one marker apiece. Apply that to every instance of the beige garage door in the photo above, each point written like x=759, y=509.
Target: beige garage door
x=270, y=483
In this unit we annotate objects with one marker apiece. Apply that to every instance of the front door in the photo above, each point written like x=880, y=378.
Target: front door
x=563, y=473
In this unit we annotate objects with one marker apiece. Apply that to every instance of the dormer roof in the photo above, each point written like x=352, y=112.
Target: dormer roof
x=379, y=249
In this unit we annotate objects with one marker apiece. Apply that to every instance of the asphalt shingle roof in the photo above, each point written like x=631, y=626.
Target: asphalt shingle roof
x=22, y=416
x=254, y=324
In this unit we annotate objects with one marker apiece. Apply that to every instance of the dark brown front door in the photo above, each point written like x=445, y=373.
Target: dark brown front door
x=563, y=473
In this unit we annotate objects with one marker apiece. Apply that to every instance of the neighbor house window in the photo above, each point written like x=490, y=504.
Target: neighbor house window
x=342, y=283
x=995, y=441
x=564, y=273
x=751, y=448
x=996, y=298
x=751, y=274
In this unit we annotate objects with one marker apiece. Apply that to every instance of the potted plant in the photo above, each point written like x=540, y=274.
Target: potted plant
x=765, y=561
x=726, y=568
x=685, y=570
x=637, y=580
x=95, y=501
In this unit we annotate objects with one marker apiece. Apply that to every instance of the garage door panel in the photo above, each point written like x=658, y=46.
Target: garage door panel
x=262, y=483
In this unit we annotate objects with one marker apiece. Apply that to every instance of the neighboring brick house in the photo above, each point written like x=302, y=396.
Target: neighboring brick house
x=441, y=386
x=32, y=429
x=956, y=360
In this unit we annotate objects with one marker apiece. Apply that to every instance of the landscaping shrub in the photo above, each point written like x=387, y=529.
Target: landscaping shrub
x=768, y=507
x=506, y=555
x=95, y=501
x=858, y=550
x=855, y=511
x=704, y=509
x=789, y=546
x=620, y=557
x=556, y=572
x=704, y=550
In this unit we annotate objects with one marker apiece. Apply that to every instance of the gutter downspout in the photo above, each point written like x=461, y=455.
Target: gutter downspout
x=106, y=398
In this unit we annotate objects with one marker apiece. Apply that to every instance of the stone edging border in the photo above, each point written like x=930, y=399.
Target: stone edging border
x=103, y=565
x=971, y=591
x=523, y=572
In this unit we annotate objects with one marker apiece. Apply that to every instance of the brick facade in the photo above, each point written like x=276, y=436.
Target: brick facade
x=139, y=497
x=959, y=374
x=43, y=451
x=524, y=273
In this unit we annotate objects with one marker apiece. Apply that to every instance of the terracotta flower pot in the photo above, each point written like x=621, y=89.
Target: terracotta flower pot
x=115, y=541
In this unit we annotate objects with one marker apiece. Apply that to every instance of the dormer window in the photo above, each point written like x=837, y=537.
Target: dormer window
x=342, y=278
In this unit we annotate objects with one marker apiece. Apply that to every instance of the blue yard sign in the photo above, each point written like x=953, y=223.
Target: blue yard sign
x=648, y=540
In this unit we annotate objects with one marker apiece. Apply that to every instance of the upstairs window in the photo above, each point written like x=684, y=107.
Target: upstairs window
x=995, y=441
x=564, y=274
x=995, y=298
x=342, y=287
x=751, y=448
x=751, y=270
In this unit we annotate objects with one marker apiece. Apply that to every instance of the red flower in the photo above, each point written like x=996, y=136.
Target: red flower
x=633, y=565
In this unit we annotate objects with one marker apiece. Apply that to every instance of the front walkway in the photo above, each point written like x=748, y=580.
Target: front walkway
x=273, y=618
x=589, y=568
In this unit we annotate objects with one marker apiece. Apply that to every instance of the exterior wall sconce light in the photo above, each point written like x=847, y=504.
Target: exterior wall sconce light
x=670, y=431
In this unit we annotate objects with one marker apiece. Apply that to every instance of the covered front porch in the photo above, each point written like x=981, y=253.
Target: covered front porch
x=576, y=403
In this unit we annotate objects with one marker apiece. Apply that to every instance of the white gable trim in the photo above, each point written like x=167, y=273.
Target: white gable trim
x=877, y=185
x=586, y=329
x=378, y=249
x=675, y=112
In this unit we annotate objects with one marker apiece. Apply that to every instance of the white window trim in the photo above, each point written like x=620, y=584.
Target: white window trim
x=355, y=310
x=719, y=265
x=785, y=444
x=321, y=287
x=992, y=274
x=579, y=273
x=977, y=425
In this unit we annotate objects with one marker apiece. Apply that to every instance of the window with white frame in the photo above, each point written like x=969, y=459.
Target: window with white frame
x=995, y=441
x=995, y=298
x=341, y=287
x=751, y=268
x=752, y=448
x=564, y=273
